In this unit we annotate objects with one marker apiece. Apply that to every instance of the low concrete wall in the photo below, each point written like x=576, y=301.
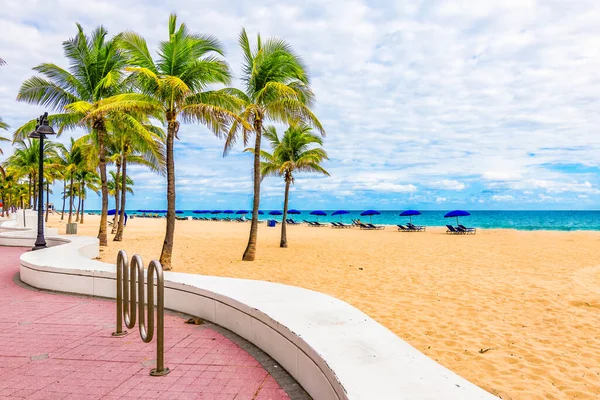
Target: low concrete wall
x=331, y=348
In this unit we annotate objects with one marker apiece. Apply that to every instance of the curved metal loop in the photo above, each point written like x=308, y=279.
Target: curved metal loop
x=122, y=268
x=131, y=292
x=131, y=304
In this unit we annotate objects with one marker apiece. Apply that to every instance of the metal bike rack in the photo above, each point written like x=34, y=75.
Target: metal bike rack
x=128, y=296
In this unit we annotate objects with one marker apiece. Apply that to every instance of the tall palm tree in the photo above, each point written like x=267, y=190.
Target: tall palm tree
x=293, y=153
x=95, y=72
x=277, y=88
x=74, y=160
x=174, y=88
x=144, y=147
x=24, y=162
x=115, y=189
x=88, y=179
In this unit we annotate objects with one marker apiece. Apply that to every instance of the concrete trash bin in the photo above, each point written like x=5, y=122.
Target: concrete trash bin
x=72, y=228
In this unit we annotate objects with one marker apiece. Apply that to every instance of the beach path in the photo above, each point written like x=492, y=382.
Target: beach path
x=55, y=346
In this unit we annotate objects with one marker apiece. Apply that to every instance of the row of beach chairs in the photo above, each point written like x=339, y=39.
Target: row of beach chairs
x=458, y=230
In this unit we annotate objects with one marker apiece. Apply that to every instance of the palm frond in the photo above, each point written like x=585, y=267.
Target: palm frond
x=36, y=90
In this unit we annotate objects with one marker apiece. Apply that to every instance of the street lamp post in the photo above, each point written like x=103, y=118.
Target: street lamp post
x=41, y=130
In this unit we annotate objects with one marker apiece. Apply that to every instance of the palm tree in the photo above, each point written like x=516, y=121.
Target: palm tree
x=277, y=89
x=137, y=147
x=95, y=72
x=174, y=88
x=293, y=153
x=115, y=189
x=3, y=126
x=73, y=161
x=88, y=179
x=8, y=183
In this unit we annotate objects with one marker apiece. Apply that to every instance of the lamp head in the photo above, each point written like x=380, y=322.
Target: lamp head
x=35, y=134
x=43, y=127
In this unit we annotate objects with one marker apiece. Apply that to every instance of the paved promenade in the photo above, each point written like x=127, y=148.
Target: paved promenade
x=55, y=346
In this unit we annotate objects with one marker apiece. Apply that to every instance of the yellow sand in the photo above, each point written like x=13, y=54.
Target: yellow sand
x=517, y=313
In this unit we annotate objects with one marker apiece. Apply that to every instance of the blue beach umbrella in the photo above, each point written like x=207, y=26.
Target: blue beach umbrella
x=340, y=213
x=216, y=212
x=260, y=212
x=242, y=212
x=198, y=212
x=457, y=213
x=275, y=213
x=228, y=212
x=294, y=212
x=178, y=212
x=113, y=211
x=370, y=213
x=318, y=213
x=409, y=213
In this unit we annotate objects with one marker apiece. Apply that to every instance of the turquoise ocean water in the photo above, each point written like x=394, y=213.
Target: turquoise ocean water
x=522, y=220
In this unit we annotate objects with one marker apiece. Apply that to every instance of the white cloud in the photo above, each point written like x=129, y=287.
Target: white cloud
x=502, y=197
x=448, y=184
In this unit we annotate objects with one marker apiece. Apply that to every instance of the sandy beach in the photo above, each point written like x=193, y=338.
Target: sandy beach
x=515, y=312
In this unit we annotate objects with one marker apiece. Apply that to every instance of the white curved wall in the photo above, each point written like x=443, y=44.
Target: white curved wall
x=331, y=348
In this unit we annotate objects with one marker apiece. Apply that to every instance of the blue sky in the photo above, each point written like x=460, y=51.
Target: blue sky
x=426, y=104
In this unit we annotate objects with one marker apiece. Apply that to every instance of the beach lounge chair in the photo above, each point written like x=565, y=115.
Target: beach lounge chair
x=467, y=231
x=415, y=227
x=370, y=227
x=452, y=230
x=377, y=227
x=342, y=225
x=402, y=228
x=316, y=224
x=337, y=225
x=292, y=222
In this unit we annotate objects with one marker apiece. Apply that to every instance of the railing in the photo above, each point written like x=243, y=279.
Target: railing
x=128, y=298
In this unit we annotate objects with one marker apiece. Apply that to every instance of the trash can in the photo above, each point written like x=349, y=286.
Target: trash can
x=72, y=229
x=271, y=223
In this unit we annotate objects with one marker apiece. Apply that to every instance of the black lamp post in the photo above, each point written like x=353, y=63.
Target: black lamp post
x=41, y=130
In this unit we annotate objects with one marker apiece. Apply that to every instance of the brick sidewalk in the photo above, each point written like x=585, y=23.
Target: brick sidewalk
x=56, y=346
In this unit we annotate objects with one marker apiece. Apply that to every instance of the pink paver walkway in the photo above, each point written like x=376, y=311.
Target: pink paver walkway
x=56, y=346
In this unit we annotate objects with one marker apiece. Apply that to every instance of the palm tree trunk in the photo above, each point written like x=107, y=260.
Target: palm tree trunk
x=117, y=197
x=250, y=252
x=64, y=193
x=283, y=242
x=30, y=190
x=82, y=206
x=167, y=249
x=47, y=198
x=71, y=195
x=78, y=208
x=99, y=125
x=119, y=236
